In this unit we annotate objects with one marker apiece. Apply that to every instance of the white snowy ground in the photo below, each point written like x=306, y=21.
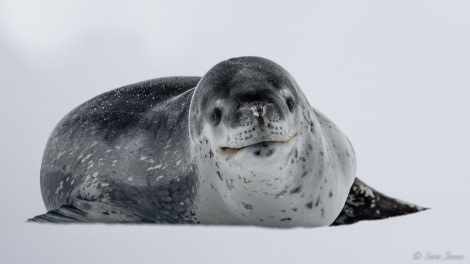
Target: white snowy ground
x=394, y=75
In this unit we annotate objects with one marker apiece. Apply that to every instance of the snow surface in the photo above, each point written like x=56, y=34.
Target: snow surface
x=394, y=75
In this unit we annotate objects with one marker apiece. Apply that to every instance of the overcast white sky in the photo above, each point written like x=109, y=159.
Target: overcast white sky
x=394, y=75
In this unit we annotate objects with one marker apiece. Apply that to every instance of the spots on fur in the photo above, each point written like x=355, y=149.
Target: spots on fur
x=296, y=189
x=309, y=205
x=247, y=206
x=219, y=175
x=317, y=202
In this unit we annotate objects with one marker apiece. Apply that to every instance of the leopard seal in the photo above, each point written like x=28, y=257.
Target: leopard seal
x=239, y=146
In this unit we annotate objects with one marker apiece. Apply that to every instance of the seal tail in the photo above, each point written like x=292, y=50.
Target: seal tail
x=365, y=203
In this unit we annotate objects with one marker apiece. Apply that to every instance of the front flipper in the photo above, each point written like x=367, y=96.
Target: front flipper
x=89, y=212
x=365, y=203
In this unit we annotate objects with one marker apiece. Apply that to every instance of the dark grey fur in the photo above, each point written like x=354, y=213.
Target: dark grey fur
x=148, y=119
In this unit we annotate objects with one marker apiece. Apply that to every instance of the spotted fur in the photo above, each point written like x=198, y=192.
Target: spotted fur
x=241, y=145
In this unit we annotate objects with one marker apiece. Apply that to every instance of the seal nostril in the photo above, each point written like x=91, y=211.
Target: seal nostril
x=290, y=103
x=216, y=116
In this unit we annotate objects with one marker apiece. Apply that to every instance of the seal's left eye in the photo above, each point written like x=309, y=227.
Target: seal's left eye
x=216, y=116
x=290, y=103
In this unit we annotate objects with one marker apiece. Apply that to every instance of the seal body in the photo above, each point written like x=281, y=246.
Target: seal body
x=241, y=145
x=125, y=153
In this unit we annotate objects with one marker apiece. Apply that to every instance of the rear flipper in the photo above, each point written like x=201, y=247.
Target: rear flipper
x=89, y=212
x=64, y=214
x=365, y=203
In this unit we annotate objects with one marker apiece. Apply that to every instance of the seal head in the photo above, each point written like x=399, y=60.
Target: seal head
x=263, y=155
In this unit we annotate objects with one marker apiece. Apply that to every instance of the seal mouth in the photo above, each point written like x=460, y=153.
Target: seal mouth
x=261, y=144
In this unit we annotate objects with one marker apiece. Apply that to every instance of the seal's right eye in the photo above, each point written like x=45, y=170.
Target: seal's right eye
x=290, y=103
x=216, y=116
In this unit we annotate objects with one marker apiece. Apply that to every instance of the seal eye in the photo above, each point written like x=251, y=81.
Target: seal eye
x=290, y=103
x=216, y=116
